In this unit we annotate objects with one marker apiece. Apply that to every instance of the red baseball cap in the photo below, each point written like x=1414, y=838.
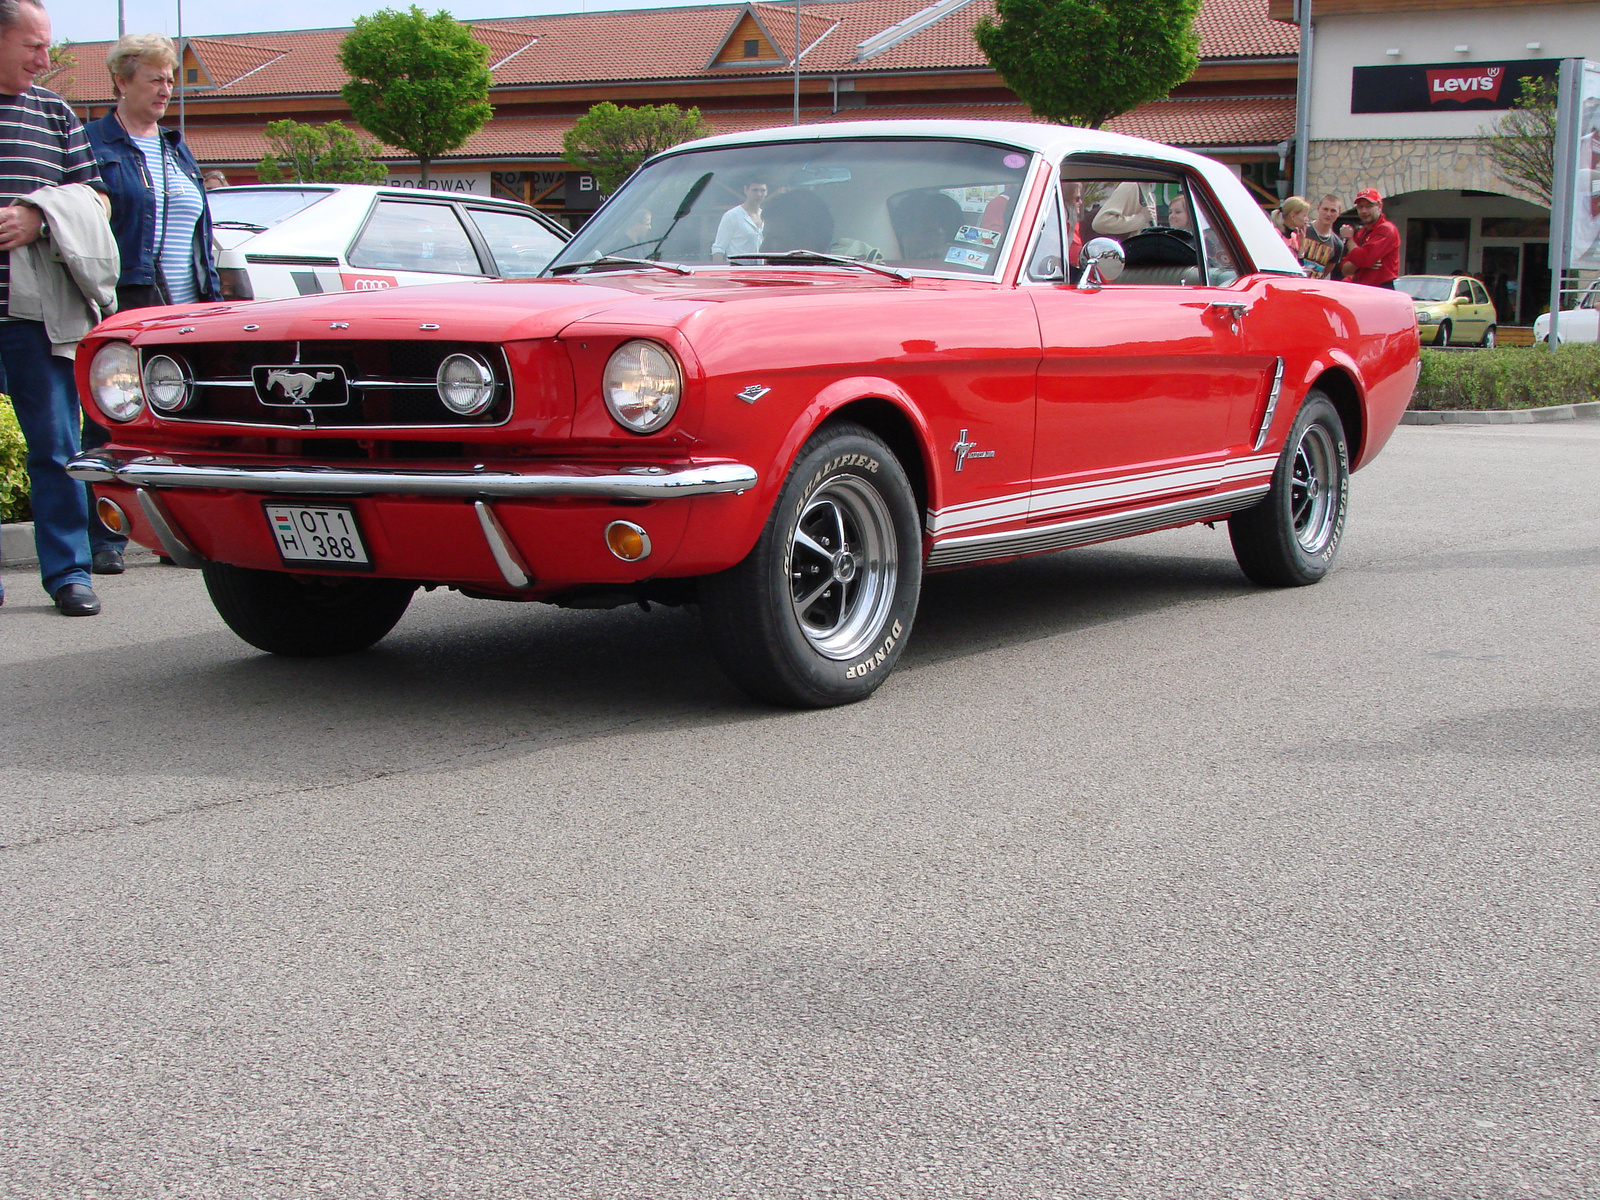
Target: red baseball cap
x=1370, y=195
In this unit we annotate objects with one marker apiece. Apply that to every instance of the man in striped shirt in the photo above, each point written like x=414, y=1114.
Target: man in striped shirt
x=41, y=144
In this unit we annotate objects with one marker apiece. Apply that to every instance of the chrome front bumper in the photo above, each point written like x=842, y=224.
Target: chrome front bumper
x=609, y=483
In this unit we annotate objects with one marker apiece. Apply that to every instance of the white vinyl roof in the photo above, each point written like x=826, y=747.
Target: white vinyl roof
x=1054, y=142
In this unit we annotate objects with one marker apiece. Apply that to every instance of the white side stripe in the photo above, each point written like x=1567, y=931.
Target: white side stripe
x=1075, y=497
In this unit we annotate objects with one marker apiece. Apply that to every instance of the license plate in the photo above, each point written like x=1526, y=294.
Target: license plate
x=323, y=535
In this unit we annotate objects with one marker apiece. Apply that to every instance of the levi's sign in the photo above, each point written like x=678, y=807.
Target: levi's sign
x=1465, y=83
x=1444, y=87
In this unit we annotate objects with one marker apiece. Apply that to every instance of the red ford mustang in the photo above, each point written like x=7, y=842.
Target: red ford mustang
x=778, y=375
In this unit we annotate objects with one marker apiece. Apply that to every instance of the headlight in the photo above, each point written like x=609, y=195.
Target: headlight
x=466, y=384
x=1427, y=318
x=114, y=381
x=167, y=383
x=642, y=386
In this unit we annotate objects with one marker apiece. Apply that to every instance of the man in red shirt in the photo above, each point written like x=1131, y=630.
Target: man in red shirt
x=1374, y=254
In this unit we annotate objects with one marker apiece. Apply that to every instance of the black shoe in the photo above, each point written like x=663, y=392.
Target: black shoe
x=107, y=561
x=77, y=600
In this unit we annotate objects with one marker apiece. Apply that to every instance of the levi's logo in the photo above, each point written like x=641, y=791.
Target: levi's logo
x=1465, y=83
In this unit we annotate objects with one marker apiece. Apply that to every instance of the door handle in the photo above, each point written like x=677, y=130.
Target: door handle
x=1232, y=310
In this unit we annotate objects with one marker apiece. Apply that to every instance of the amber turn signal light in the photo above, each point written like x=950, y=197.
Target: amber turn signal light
x=627, y=541
x=111, y=515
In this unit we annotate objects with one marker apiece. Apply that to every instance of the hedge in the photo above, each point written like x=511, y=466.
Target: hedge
x=13, y=467
x=1508, y=377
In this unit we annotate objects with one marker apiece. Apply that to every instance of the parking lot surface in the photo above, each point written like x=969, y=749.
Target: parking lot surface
x=1134, y=881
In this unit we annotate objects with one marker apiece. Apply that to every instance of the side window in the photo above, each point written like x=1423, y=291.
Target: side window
x=1147, y=210
x=1463, y=290
x=405, y=235
x=520, y=245
x=1045, y=262
x=1222, y=266
x=1479, y=296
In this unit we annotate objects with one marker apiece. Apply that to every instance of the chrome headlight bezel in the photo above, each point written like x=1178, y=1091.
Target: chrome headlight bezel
x=642, y=385
x=169, y=388
x=472, y=391
x=115, y=381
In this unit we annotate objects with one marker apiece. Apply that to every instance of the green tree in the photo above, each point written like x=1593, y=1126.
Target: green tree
x=1522, y=144
x=306, y=154
x=1082, y=62
x=611, y=141
x=417, y=82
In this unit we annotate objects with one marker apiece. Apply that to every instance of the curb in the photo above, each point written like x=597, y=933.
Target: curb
x=1589, y=411
x=16, y=545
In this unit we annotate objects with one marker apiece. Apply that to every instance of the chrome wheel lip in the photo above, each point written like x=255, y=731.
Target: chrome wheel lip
x=842, y=566
x=1314, y=486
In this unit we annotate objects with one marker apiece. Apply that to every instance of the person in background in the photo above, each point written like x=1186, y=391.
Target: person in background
x=158, y=211
x=42, y=145
x=1128, y=210
x=1296, y=215
x=1373, y=257
x=1320, y=247
x=214, y=180
x=739, y=231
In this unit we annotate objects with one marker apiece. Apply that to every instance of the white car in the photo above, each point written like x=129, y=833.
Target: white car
x=300, y=239
x=1580, y=324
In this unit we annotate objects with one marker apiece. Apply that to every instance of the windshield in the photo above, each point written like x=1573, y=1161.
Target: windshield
x=1429, y=288
x=921, y=204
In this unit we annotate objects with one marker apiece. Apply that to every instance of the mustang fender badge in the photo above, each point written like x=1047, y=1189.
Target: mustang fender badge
x=965, y=450
x=752, y=393
x=297, y=385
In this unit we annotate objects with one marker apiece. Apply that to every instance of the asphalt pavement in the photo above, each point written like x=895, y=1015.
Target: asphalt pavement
x=1135, y=880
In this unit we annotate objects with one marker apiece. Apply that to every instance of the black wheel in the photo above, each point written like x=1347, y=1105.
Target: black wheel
x=303, y=616
x=1488, y=338
x=1290, y=537
x=1444, y=334
x=820, y=610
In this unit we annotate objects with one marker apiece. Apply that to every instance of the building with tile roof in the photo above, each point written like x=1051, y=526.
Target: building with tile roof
x=735, y=62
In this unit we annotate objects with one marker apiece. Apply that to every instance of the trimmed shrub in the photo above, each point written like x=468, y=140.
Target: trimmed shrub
x=13, y=466
x=1508, y=377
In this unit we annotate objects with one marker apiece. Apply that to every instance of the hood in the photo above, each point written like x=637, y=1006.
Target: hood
x=481, y=311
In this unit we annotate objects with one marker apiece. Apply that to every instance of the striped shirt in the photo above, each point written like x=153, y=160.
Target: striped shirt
x=178, y=208
x=42, y=144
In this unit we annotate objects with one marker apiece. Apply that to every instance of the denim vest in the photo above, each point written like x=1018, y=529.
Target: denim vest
x=133, y=204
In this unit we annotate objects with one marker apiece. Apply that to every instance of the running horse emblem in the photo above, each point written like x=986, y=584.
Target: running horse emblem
x=297, y=385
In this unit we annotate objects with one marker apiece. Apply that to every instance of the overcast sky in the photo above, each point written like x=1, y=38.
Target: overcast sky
x=96, y=20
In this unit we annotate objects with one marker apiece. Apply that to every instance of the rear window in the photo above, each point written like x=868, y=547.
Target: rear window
x=260, y=209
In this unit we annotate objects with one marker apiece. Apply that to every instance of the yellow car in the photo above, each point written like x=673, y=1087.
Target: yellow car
x=1452, y=310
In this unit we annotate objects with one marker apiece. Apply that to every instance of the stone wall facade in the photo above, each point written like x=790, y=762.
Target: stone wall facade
x=1398, y=166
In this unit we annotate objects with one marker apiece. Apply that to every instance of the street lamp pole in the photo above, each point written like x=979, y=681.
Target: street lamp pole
x=122, y=20
x=797, y=62
x=1302, y=104
x=182, y=74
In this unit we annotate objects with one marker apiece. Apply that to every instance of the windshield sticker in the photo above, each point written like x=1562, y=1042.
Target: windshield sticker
x=1015, y=161
x=976, y=235
x=961, y=256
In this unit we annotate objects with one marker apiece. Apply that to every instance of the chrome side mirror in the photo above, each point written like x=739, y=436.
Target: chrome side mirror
x=1102, y=263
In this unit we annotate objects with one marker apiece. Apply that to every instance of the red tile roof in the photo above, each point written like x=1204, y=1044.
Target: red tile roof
x=671, y=43
x=1199, y=124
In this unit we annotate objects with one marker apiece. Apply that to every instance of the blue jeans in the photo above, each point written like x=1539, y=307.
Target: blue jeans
x=46, y=400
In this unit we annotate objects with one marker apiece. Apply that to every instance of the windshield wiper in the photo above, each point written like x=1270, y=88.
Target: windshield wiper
x=252, y=227
x=817, y=256
x=612, y=260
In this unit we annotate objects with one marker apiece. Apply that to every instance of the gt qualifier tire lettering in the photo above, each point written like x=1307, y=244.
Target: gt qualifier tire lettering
x=874, y=661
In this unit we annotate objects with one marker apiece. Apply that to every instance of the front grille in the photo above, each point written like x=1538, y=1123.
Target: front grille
x=391, y=383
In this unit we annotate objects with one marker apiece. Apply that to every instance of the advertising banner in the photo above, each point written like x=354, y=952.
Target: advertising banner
x=1585, y=196
x=1445, y=87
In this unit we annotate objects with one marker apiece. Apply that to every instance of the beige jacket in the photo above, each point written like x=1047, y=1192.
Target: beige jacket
x=69, y=279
